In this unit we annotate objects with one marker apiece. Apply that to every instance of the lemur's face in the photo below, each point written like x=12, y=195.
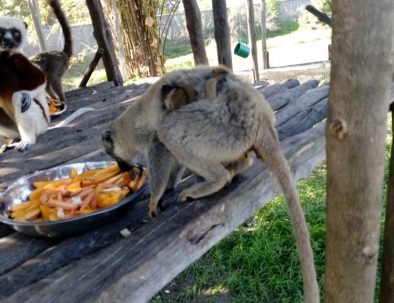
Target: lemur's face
x=10, y=38
x=12, y=34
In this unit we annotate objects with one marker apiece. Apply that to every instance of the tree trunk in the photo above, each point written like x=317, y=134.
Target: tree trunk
x=194, y=27
x=361, y=75
x=387, y=277
x=264, y=35
x=252, y=39
x=113, y=20
x=103, y=37
x=222, y=32
x=141, y=38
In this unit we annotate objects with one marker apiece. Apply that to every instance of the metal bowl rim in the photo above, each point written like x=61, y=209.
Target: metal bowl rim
x=122, y=202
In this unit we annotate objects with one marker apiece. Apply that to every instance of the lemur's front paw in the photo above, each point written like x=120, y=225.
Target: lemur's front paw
x=19, y=146
x=22, y=146
x=183, y=196
x=152, y=212
x=22, y=100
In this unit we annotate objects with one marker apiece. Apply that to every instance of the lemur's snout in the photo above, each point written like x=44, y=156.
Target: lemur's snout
x=106, y=135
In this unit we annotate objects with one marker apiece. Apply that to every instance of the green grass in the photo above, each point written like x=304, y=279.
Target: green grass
x=285, y=28
x=174, y=50
x=258, y=262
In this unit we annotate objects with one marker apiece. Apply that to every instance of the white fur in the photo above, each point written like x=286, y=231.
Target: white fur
x=10, y=22
x=31, y=123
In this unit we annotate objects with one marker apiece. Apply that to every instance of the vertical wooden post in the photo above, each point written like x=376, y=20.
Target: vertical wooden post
x=222, y=32
x=252, y=38
x=37, y=24
x=264, y=35
x=361, y=75
x=194, y=27
x=103, y=38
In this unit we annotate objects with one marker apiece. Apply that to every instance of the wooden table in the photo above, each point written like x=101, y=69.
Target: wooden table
x=103, y=266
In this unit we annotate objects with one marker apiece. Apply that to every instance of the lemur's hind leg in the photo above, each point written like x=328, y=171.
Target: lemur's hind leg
x=161, y=167
x=241, y=165
x=215, y=175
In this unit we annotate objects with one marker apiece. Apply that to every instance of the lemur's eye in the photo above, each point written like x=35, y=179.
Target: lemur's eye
x=1, y=33
x=16, y=34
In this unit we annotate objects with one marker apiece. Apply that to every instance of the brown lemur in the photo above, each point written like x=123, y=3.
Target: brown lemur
x=55, y=63
x=228, y=120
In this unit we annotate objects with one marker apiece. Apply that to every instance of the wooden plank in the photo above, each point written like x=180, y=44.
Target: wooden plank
x=68, y=140
x=306, y=100
x=5, y=230
x=304, y=120
x=17, y=248
x=161, y=249
x=89, y=90
x=279, y=87
x=284, y=97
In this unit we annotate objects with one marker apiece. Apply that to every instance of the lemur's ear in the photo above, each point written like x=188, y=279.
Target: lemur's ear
x=166, y=89
x=25, y=24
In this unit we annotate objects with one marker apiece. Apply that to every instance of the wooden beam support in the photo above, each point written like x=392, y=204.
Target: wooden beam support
x=194, y=27
x=252, y=39
x=222, y=33
x=103, y=37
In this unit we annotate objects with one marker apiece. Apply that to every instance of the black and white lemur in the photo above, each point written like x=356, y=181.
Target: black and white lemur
x=23, y=104
x=24, y=112
x=55, y=63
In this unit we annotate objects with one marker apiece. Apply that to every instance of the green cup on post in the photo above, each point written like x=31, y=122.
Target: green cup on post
x=242, y=50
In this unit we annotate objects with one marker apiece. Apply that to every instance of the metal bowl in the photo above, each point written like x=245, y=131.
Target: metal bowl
x=19, y=191
x=62, y=110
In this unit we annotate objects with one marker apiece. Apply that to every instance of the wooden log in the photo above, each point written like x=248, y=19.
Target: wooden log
x=264, y=35
x=222, y=32
x=252, y=39
x=17, y=248
x=261, y=84
x=311, y=97
x=159, y=250
x=194, y=27
x=280, y=100
x=86, y=76
x=303, y=120
x=279, y=87
x=102, y=36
